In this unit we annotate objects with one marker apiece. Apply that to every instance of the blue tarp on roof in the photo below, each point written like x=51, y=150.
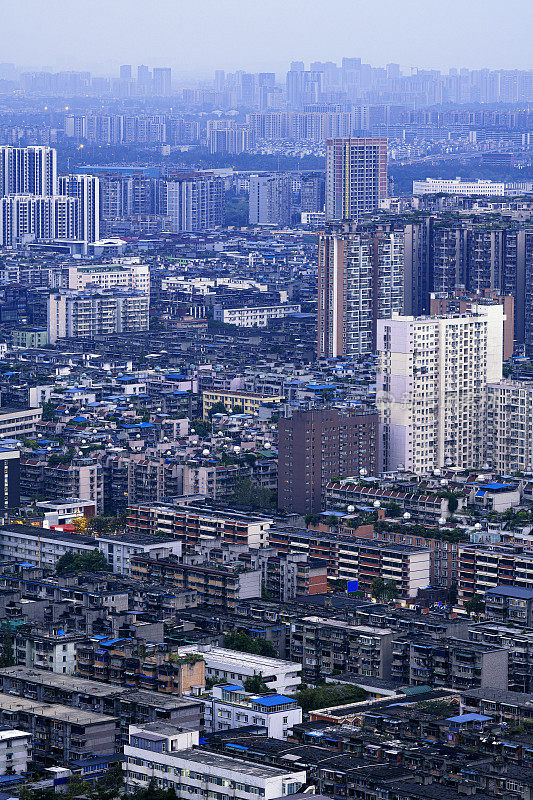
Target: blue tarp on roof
x=272, y=700
x=469, y=718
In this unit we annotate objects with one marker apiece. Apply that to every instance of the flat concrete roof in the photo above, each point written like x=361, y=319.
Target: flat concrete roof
x=52, y=711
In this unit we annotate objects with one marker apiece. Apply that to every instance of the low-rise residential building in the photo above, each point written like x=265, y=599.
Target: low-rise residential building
x=82, y=315
x=329, y=646
x=152, y=667
x=172, y=757
x=512, y=708
x=16, y=423
x=360, y=560
x=127, y=704
x=191, y=523
x=30, y=337
x=60, y=733
x=517, y=640
x=15, y=751
x=513, y=604
x=283, y=677
x=448, y=662
x=254, y=316
x=483, y=567
x=424, y=506
x=43, y=547
x=45, y=650
x=243, y=402
x=222, y=586
x=231, y=706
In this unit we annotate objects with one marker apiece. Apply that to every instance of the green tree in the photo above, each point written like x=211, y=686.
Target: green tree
x=393, y=509
x=244, y=643
x=93, y=561
x=217, y=408
x=99, y=524
x=475, y=605
x=256, y=684
x=453, y=502
x=452, y=593
x=330, y=694
x=67, y=563
x=110, y=786
x=378, y=588
x=391, y=590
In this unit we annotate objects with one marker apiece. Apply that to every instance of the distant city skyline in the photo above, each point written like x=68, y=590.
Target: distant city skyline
x=231, y=35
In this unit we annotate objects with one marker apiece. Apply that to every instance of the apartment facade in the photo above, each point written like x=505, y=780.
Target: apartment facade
x=172, y=757
x=432, y=388
x=222, y=587
x=237, y=402
x=328, y=647
x=82, y=315
x=283, y=677
x=231, y=706
x=360, y=280
x=356, y=559
x=484, y=567
x=126, y=704
x=195, y=203
x=315, y=446
x=254, y=316
x=190, y=524
x=270, y=200
x=356, y=176
x=60, y=733
x=510, y=427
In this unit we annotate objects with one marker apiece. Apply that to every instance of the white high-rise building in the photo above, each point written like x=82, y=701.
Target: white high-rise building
x=86, y=188
x=82, y=315
x=510, y=427
x=360, y=280
x=25, y=218
x=270, y=200
x=432, y=388
x=195, y=203
x=28, y=170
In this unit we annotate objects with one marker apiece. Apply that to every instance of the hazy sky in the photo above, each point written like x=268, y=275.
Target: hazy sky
x=201, y=35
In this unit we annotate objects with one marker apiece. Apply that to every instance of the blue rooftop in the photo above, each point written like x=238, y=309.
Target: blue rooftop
x=512, y=591
x=273, y=700
x=460, y=718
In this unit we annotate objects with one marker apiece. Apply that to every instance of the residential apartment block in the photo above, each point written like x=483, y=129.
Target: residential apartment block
x=236, y=402
x=60, y=733
x=82, y=315
x=432, y=388
x=231, y=706
x=221, y=587
x=510, y=427
x=360, y=280
x=283, y=677
x=356, y=176
x=191, y=523
x=172, y=757
x=254, y=316
x=317, y=445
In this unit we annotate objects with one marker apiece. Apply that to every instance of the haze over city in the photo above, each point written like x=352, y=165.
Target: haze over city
x=266, y=400
x=259, y=36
